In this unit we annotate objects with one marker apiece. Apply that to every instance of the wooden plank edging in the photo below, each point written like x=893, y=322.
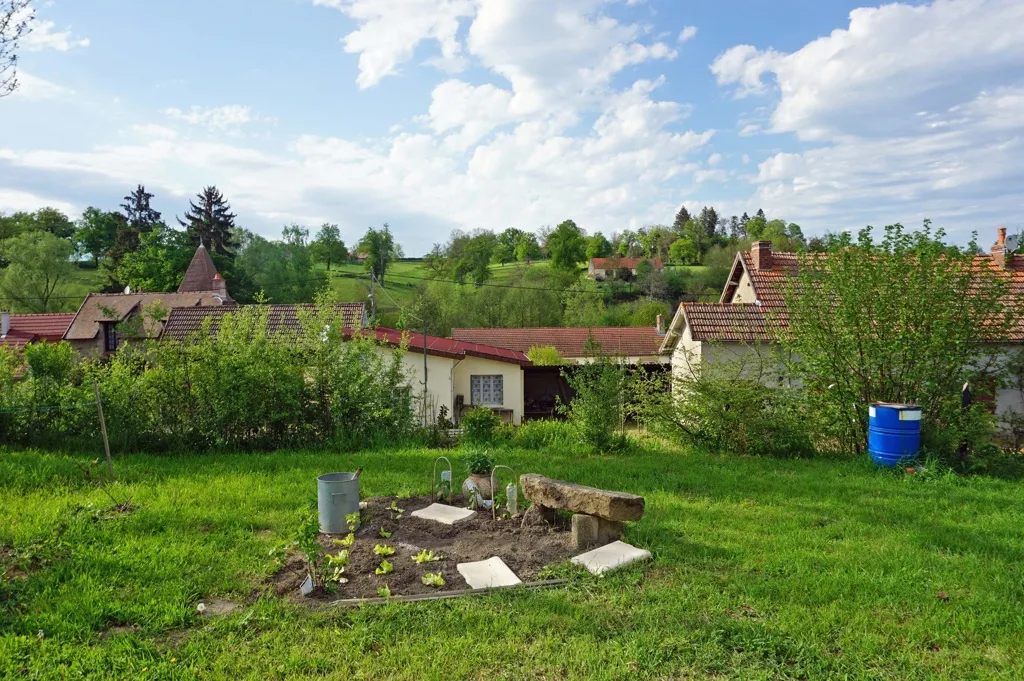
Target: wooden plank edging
x=412, y=598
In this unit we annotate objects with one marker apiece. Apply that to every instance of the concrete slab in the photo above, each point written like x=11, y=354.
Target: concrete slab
x=449, y=515
x=485, y=574
x=610, y=557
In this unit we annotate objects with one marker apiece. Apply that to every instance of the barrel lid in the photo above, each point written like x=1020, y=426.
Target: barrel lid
x=897, y=405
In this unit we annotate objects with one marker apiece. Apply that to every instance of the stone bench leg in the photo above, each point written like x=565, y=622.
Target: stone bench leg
x=589, y=531
x=539, y=515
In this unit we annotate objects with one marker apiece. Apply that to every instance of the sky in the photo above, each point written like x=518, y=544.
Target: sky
x=434, y=115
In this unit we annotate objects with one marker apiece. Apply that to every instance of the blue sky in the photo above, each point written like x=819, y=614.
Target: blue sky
x=440, y=114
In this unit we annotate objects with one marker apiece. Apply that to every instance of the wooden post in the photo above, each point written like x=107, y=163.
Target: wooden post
x=103, y=429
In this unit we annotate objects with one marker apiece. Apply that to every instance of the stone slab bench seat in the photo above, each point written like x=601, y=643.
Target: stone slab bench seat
x=598, y=514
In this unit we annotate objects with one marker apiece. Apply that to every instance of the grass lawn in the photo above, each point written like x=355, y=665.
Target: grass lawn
x=763, y=569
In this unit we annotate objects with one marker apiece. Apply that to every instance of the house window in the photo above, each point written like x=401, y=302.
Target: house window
x=110, y=337
x=487, y=390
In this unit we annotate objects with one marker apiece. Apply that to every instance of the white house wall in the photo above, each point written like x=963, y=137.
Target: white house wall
x=512, y=382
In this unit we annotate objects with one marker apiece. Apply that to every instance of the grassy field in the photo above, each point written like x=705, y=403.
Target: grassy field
x=763, y=569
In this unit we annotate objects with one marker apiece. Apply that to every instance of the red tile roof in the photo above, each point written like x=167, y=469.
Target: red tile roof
x=621, y=341
x=32, y=328
x=742, y=322
x=450, y=347
x=621, y=263
x=182, y=322
x=769, y=285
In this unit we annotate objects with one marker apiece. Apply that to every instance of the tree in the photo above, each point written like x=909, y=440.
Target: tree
x=139, y=213
x=566, y=246
x=381, y=250
x=708, y=221
x=39, y=271
x=211, y=222
x=96, y=231
x=907, y=320
x=328, y=247
x=650, y=280
x=545, y=356
x=683, y=251
x=15, y=19
x=682, y=217
x=159, y=262
x=584, y=304
x=527, y=247
x=737, y=229
x=598, y=246
x=43, y=220
x=505, y=250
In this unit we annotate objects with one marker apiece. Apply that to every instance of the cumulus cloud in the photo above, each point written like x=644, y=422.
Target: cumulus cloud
x=911, y=111
x=43, y=35
x=687, y=34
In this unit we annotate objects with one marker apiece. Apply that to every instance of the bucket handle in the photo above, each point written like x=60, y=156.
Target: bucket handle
x=338, y=494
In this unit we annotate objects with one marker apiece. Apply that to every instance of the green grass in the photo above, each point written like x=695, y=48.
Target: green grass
x=763, y=569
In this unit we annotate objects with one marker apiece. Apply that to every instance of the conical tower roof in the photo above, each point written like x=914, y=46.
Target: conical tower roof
x=200, y=273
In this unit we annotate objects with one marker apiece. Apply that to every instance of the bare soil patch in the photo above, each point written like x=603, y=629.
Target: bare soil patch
x=526, y=550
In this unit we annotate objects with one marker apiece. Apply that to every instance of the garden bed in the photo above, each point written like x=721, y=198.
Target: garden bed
x=525, y=550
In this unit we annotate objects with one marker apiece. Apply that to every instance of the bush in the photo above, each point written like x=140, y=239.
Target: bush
x=481, y=425
x=544, y=434
x=241, y=387
x=597, y=408
x=728, y=408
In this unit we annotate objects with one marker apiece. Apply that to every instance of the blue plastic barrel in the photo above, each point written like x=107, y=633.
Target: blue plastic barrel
x=894, y=432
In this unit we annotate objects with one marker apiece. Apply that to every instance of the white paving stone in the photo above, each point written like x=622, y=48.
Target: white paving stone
x=485, y=574
x=610, y=557
x=449, y=515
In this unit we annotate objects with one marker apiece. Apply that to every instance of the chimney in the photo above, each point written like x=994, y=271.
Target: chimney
x=219, y=285
x=761, y=253
x=5, y=324
x=999, y=249
x=659, y=324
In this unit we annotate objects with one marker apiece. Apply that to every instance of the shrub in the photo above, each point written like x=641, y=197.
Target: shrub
x=545, y=355
x=728, y=408
x=596, y=410
x=481, y=425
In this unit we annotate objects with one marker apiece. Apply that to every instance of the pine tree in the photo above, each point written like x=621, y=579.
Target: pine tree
x=211, y=222
x=708, y=220
x=140, y=215
x=760, y=214
x=744, y=220
x=682, y=217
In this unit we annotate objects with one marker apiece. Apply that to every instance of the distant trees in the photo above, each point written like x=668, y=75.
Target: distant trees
x=38, y=272
x=15, y=17
x=598, y=246
x=566, y=246
x=210, y=221
x=328, y=247
x=96, y=232
x=682, y=217
x=159, y=262
x=381, y=250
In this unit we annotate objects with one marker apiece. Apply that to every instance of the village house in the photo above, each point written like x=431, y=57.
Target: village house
x=18, y=330
x=610, y=268
x=744, y=325
x=105, y=320
x=545, y=386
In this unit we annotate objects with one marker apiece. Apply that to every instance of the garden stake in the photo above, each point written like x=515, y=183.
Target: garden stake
x=494, y=490
x=433, y=477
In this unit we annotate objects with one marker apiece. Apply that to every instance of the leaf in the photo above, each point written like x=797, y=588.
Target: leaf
x=385, y=568
x=384, y=591
x=433, y=579
x=348, y=541
x=383, y=550
x=384, y=533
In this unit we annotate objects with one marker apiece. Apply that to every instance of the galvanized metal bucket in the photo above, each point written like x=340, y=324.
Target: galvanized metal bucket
x=337, y=495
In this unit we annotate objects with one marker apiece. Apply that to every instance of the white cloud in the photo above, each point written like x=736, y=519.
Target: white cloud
x=390, y=30
x=218, y=118
x=687, y=34
x=913, y=110
x=34, y=88
x=14, y=200
x=42, y=34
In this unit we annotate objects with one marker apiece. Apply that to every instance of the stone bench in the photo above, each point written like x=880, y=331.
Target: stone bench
x=598, y=515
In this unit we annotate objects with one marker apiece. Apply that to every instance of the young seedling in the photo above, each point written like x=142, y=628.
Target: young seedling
x=347, y=542
x=335, y=567
x=396, y=512
x=383, y=550
x=384, y=533
x=385, y=567
x=353, y=521
x=426, y=556
x=384, y=591
x=433, y=579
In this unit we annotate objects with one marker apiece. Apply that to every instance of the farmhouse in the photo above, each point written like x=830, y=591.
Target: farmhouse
x=18, y=330
x=609, y=268
x=544, y=386
x=105, y=320
x=751, y=311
